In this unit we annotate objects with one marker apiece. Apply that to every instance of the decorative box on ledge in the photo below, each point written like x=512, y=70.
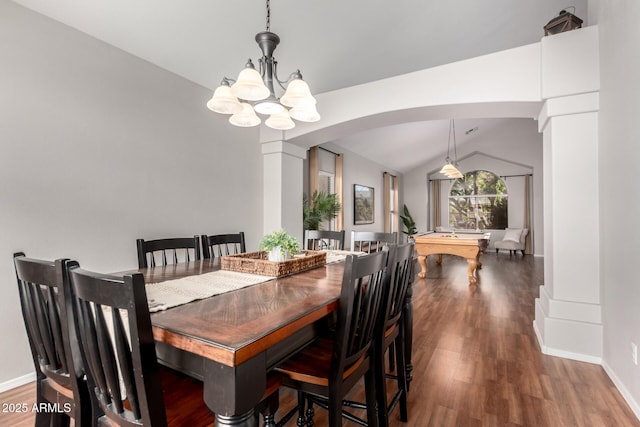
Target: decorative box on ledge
x=257, y=263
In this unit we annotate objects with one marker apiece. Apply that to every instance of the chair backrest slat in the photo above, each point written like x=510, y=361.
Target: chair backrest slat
x=41, y=325
x=401, y=266
x=372, y=241
x=56, y=329
x=223, y=244
x=316, y=240
x=181, y=247
x=107, y=358
x=89, y=336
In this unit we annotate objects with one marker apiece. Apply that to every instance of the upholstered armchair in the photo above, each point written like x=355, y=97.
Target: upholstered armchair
x=513, y=240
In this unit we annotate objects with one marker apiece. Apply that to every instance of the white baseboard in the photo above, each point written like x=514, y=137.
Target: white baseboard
x=17, y=382
x=635, y=407
x=565, y=354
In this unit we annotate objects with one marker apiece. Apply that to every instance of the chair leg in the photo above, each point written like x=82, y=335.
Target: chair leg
x=310, y=413
x=302, y=420
x=268, y=409
x=335, y=407
x=402, y=379
x=497, y=251
x=522, y=250
x=379, y=381
x=371, y=395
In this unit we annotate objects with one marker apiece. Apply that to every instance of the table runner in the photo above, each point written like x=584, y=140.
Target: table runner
x=337, y=256
x=172, y=293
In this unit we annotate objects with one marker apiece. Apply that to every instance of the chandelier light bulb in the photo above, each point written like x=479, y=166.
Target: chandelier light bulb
x=249, y=85
x=306, y=113
x=245, y=118
x=297, y=94
x=280, y=121
x=223, y=101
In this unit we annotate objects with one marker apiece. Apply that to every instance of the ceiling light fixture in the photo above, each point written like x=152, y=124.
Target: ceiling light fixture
x=253, y=91
x=450, y=169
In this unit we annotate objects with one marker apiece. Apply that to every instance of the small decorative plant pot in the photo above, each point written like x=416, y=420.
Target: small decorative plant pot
x=277, y=254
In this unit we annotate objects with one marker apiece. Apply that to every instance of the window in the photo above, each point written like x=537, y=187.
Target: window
x=478, y=201
x=391, y=218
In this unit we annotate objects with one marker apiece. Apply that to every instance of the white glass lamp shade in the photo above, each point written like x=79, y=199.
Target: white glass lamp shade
x=306, y=113
x=448, y=169
x=250, y=86
x=245, y=118
x=224, y=102
x=297, y=94
x=280, y=121
x=268, y=106
x=455, y=174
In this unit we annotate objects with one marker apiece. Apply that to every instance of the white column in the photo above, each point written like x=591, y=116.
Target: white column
x=282, y=187
x=568, y=319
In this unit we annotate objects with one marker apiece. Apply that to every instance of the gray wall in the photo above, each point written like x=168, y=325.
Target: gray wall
x=619, y=157
x=98, y=148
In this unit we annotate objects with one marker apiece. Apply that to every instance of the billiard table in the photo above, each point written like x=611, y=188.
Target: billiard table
x=468, y=245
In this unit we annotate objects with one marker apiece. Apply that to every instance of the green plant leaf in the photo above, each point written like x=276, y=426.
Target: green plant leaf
x=286, y=242
x=321, y=207
x=408, y=222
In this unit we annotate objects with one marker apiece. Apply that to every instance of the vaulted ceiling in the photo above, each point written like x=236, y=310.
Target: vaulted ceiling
x=335, y=43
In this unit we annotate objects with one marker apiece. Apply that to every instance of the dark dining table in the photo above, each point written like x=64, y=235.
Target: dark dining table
x=233, y=340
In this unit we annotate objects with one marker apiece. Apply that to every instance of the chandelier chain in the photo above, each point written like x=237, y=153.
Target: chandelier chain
x=268, y=15
x=455, y=149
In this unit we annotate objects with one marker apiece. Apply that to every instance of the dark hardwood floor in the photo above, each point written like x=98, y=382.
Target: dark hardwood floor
x=477, y=361
x=476, y=358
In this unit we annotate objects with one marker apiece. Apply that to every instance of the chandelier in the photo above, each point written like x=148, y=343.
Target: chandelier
x=253, y=91
x=450, y=169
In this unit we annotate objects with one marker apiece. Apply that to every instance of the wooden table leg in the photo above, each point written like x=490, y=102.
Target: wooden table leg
x=472, y=267
x=422, y=259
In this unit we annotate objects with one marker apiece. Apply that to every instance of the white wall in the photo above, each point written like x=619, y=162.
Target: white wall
x=98, y=148
x=619, y=157
x=512, y=148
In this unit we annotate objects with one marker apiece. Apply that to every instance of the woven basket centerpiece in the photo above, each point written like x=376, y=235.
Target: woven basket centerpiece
x=257, y=263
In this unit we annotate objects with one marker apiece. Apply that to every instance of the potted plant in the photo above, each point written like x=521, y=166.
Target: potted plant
x=279, y=245
x=321, y=207
x=408, y=222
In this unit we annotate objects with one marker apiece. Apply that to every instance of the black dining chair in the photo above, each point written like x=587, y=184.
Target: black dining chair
x=390, y=334
x=168, y=251
x=371, y=241
x=45, y=310
x=316, y=240
x=222, y=244
x=324, y=371
x=112, y=320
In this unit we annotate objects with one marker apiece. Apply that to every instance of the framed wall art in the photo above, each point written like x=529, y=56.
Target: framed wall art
x=363, y=204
